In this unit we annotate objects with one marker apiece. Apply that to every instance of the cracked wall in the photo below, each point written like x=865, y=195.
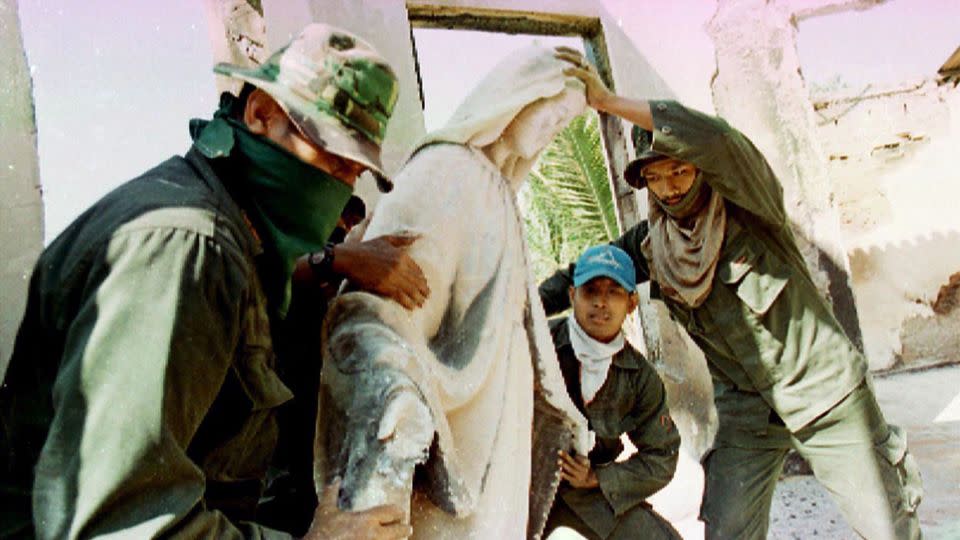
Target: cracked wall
x=897, y=190
x=758, y=87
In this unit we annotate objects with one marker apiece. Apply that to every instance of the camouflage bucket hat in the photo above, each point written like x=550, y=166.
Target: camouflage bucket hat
x=336, y=88
x=643, y=147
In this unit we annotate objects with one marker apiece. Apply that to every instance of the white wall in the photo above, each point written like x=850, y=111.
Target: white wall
x=898, y=188
x=21, y=210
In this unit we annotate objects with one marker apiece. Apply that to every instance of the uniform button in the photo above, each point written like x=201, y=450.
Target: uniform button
x=665, y=130
x=661, y=106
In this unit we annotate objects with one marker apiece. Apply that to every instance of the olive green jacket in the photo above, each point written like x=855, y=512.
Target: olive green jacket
x=141, y=395
x=631, y=401
x=764, y=328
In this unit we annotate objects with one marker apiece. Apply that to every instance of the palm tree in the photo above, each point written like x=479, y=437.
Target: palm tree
x=567, y=203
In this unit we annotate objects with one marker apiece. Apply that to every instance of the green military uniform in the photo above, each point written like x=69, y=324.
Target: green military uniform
x=784, y=373
x=147, y=320
x=143, y=393
x=631, y=401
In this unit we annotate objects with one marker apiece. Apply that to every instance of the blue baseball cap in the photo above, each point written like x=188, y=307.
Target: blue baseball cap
x=606, y=261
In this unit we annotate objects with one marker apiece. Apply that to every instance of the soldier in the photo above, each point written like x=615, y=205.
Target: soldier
x=719, y=251
x=142, y=394
x=618, y=392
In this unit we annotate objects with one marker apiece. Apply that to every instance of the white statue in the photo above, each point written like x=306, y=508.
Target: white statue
x=449, y=390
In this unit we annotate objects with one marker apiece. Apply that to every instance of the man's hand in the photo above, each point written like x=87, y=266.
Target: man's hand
x=597, y=92
x=379, y=523
x=599, y=96
x=576, y=470
x=382, y=266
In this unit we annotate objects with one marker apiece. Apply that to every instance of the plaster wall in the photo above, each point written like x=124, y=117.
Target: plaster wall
x=897, y=190
x=21, y=209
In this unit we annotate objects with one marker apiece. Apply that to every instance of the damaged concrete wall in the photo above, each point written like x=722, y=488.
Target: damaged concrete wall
x=759, y=89
x=891, y=157
x=21, y=208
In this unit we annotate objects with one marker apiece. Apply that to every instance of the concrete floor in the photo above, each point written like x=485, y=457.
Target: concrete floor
x=925, y=403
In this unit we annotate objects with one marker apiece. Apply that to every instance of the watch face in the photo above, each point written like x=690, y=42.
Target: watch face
x=316, y=257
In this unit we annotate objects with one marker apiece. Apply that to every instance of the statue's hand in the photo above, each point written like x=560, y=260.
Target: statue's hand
x=382, y=266
x=332, y=523
x=597, y=91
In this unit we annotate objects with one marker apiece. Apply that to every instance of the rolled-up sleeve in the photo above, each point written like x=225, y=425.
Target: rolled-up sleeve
x=144, y=359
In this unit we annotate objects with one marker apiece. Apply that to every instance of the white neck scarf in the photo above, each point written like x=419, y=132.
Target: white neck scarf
x=594, y=356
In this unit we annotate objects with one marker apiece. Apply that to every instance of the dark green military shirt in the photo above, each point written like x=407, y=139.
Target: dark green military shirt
x=765, y=329
x=141, y=394
x=631, y=401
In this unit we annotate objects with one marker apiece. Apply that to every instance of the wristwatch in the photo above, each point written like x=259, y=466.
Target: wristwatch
x=321, y=262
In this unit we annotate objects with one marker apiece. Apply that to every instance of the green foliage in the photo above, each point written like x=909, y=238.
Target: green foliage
x=567, y=203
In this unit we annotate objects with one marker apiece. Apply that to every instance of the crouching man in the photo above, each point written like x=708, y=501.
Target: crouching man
x=618, y=392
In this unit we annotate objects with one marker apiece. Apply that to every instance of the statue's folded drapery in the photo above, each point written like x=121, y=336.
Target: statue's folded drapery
x=453, y=384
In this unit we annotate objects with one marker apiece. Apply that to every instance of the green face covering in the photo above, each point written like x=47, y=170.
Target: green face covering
x=295, y=206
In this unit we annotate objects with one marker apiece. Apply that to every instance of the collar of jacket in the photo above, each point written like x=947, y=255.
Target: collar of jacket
x=230, y=206
x=627, y=358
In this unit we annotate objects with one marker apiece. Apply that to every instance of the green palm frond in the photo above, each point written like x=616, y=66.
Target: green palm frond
x=567, y=203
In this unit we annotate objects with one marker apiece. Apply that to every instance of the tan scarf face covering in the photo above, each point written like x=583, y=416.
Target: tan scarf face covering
x=683, y=246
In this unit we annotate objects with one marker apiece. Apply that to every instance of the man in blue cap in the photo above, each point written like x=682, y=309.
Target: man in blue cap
x=618, y=392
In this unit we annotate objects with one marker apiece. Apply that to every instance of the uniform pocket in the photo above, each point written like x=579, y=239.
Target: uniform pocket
x=907, y=488
x=757, y=276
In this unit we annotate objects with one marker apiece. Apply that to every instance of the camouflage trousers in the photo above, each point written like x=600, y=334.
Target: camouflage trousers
x=861, y=460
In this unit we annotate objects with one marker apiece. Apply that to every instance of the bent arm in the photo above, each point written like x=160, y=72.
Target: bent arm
x=630, y=482
x=636, y=111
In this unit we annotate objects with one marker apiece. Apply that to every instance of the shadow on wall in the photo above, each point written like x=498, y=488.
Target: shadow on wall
x=898, y=285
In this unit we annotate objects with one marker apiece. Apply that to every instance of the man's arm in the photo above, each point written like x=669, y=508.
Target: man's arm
x=554, y=290
x=599, y=96
x=736, y=169
x=144, y=359
x=630, y=482
x=731, y=163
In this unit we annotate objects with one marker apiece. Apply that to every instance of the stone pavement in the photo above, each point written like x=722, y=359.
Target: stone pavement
x=925, y=403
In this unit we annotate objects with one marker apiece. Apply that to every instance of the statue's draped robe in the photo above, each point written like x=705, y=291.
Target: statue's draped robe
x=471, y=351
x=477, y=354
